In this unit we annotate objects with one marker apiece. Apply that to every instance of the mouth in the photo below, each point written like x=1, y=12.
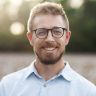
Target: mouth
x=50, y=49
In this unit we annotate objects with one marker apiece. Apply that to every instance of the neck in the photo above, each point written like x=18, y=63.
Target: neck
x=48, y=71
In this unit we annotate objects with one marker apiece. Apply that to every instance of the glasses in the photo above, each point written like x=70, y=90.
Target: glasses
x=56, y=32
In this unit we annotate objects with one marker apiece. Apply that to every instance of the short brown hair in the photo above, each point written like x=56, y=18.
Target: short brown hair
x=47, y=8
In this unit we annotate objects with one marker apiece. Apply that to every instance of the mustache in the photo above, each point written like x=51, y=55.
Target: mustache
x=49, y=44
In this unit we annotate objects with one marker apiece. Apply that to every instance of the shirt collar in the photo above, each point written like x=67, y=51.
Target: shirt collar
x=30, y=70
x=66, y=72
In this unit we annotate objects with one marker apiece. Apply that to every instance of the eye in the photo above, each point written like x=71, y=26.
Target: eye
x=41, y=32
x=57, y=31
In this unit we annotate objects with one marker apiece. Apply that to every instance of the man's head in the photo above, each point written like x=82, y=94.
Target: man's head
x=46, y=8
x=48, y=32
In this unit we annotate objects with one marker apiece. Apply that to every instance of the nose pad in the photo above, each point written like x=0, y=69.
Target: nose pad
x=49, y=36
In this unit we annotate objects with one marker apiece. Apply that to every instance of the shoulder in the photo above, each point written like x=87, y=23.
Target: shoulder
x=9, y=82
x=12, y=78
x=19, y=75
x=83, y=84
x=79, y=78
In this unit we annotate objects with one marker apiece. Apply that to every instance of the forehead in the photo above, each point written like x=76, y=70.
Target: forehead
x=48, y=21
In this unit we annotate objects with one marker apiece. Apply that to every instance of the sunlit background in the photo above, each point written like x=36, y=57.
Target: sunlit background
x=12, y=8
x=15, y=48
x=13, y=23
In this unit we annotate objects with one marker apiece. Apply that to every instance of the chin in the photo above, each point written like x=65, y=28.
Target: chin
x=48, y=62
x=49, y=59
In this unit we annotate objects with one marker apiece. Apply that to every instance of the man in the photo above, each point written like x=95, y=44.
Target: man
x=49, y=74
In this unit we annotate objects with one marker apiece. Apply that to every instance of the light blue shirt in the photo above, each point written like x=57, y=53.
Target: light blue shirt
x=27, y=82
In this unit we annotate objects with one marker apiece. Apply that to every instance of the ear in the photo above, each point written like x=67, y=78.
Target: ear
x=29, y=36
x=68, y=35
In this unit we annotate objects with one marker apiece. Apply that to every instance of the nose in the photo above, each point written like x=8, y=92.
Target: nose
x=49, y=36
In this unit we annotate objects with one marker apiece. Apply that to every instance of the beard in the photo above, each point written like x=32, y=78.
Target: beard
x=49, y=59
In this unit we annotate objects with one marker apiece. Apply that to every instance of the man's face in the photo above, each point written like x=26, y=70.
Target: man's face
x=48, y=50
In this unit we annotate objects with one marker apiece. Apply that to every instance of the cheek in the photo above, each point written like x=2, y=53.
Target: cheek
x=63, y=46
x=62, y=43
x=36, y=45
x=33, y=40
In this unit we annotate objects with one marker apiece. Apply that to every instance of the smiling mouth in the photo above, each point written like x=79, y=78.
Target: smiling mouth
x=49, y=49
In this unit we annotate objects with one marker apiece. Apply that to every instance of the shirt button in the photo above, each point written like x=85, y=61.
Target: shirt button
x=45, y=85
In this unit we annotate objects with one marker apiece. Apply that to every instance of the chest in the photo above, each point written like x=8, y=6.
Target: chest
x=37, y=88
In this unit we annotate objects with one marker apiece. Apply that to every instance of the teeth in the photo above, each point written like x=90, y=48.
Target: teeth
x=49, y=49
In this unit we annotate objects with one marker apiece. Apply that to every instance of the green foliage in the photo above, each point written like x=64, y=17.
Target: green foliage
x=82, y=25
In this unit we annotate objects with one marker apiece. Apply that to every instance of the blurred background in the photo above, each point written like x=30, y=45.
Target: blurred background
x=16, y=52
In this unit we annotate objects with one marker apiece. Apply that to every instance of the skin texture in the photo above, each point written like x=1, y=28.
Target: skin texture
x=48, y=51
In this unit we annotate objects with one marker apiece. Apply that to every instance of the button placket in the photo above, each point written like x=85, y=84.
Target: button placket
x=44, y=85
